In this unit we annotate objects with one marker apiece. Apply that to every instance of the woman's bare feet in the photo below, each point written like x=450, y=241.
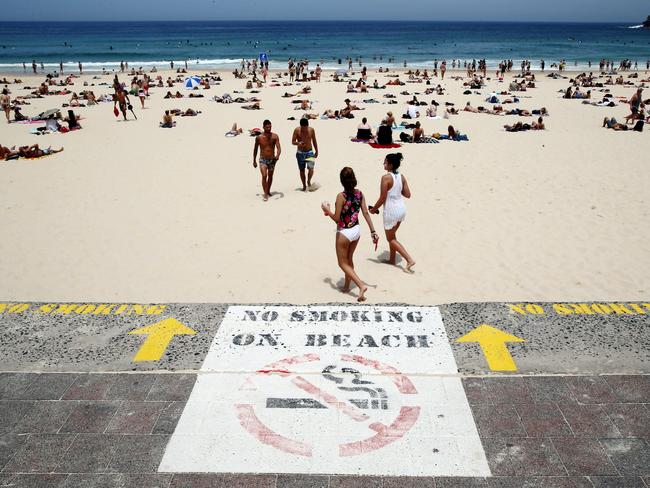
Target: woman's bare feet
x=362, y=294
x=409, y=267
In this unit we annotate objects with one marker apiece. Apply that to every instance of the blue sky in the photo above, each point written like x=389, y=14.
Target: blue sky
x=489, y=10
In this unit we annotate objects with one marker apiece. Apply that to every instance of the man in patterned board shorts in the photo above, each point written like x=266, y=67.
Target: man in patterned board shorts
x=305, y=138
x=269, y=145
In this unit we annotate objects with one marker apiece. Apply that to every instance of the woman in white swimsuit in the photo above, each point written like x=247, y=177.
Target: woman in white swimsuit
x=349, y=204
x=393, y=187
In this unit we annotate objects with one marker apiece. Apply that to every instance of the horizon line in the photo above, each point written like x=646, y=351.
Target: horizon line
x=329, y=20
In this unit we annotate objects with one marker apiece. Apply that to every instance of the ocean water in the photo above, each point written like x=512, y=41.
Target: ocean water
x=223, y=44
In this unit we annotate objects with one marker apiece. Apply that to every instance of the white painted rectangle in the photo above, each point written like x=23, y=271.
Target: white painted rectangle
x=330, y=390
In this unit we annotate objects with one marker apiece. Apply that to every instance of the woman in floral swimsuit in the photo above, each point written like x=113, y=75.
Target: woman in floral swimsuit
x=346, y=215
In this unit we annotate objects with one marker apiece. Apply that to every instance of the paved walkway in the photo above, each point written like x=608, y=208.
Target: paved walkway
x=575, y=412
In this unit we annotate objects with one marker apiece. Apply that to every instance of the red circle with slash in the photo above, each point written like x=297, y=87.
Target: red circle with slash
x=382, y=434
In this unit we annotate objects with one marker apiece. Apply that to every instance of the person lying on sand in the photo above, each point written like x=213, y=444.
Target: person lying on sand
x=7, y=153
x=190, y=113
x=331, y=114
x=252, y=106
x=234, y=131
x=469, y=108
x=34, y=151
x=539, y=125
x=612, y=123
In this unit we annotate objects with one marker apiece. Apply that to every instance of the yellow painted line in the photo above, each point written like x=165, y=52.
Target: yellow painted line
x=493, y=343
x=159, y=335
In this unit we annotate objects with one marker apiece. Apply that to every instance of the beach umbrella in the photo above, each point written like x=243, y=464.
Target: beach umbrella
x=192, y=82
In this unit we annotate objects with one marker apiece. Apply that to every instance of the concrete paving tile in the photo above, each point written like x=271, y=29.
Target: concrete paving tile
x=591, y=389
x=138, y=454
x=196, y=480
x=507, y=390
x=11, y=412
x=117, y=480
x=5, y=478
x=48, y=386
x=90, y=417
x=460, y=482
x=135, y=418
x=631, y=420
x=172, y=388
x=589, y=421
x=497, y=421
x=45, y=417
x=583, y=457
x=12, y=385
x=89, y=453
x=630, y=389
x=168, y=419
x=540, y=482
x=549, y=389
x=38, y=480
x=40, y=453
x=133, y=387
x=542, y=420
x=246, y=481
x=302, y=481
x=157, y=480
x=90, y=387
x=403, y=482
x=476, y=391
x=630, y=456
x=617, y=482
x=522, y=457
x=10, y=444
x=355, y=482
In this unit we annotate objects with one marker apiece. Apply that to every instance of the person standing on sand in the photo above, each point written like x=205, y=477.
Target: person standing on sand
x=305, y=138
x=5, y=103
x=122, y=99
x=270, y=150
x=81, y=68
x=348, y=231
x=392, y=188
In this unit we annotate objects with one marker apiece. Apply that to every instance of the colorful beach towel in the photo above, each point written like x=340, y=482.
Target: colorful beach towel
x=384, y=146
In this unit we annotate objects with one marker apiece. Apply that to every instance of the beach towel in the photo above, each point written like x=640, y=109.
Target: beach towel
x=384, y=146
x=27, y=121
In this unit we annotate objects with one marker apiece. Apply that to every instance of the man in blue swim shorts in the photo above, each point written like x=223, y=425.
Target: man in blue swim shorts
x=305, y=138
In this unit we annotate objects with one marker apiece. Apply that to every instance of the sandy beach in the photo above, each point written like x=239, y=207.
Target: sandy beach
x=132, y=212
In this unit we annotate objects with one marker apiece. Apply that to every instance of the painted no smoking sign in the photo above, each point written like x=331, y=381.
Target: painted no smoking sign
x=331, y=390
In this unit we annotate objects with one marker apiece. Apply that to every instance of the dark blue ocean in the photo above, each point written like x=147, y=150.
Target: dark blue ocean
x=224, y=44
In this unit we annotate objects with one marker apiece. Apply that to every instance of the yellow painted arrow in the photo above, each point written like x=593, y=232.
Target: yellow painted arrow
x=159, y=336
x=493, y=342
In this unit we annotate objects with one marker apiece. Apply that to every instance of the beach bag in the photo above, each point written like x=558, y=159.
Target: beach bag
x=404, y=137
x=116, y=111
x=638, y=126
